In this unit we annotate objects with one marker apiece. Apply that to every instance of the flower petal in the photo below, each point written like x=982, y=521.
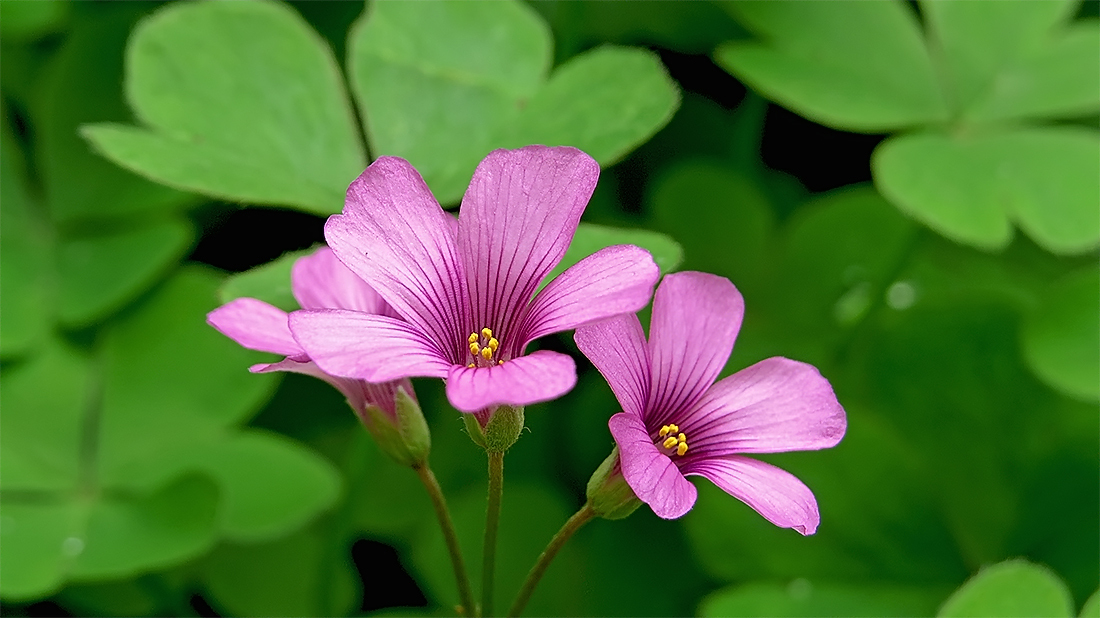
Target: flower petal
x=321, y=281
x=255, y=325
x=618, y=349
x=524, y=380
x=350, y=344
x=395, y=236
x=650, y=473
x=515, y=223
x=695, y=321
x=612, y=281
x=776, y=494
x=773, y=406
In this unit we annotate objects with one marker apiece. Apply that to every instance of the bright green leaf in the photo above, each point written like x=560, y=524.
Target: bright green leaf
x=1011, y=60
x=29, y=20
x=170, y=379
x=1091, y=608
x=1011, y=588
x=269, y=283
x=605, y=102
x=270, y=484
x=435, y=80
x=802, y=597
x=127, y=535
x=859, y=66
x=41, y=429
x=1061, y=338
x=242, y=101
x=34, y=546
x=98, y=274
x=82, y=85
x=591, y=237
x=970, y=188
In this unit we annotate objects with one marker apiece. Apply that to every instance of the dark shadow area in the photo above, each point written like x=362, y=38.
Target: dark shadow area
x=386, y=583
x=240, y=239
x=820, y=157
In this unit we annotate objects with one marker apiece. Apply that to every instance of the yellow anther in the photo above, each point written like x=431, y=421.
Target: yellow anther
x=682, y=438
x=474, y=348
x=673, y=429
x=472, y=338
x=683, y=448
x=493, y=343
x=500, y=362
x=470, y=366
x=487, y=353
x=488, y=334
x=664, y=431
x=670, y=442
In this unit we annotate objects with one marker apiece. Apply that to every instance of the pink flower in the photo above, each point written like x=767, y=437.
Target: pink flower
x=465, y=290
x=677, y=422
x=318, y=281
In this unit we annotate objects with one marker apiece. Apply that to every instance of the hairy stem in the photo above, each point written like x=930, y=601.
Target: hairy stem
x=580, y=518
x=447, y=526
x=492, y=524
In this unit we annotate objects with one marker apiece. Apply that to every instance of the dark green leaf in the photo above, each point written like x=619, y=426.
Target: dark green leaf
x=241, y=101
x=29, y=20
x=590, y=238
x=1011, y=588
x=1061, y=338
x=859, y=66
x=802, y=597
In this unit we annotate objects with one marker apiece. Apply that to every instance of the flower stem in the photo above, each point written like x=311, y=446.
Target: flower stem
x=492, y=523
x=580, y=518
x=440, y=503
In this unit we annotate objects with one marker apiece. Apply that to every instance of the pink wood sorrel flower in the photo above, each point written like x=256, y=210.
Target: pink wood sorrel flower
x=466, y=289
x=677, y=422
x=318, y=281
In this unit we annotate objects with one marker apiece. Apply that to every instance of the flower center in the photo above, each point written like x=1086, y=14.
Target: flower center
x=674, y=440
x=483, y=349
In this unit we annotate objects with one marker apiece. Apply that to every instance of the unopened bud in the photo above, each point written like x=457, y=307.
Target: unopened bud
x=608, y=493
x=404, y=436
x=497, y=430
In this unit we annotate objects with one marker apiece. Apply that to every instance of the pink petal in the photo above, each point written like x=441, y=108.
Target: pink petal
x=774, y=493
x=610, y=282
x=394, y=235
x=617, y=347
x=515, y=223
x=695, y=321
x=321, y=281
x=255, y=325
x=524, y=380
x=650, y=473
x=350, y=344
x=773, y=406
x=347, y=386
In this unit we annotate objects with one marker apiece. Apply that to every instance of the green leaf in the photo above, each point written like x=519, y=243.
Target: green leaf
x=591, y=237
x=24, y=257
x=170, y=380
x=605, y=102
x=241, y=101
x=1009, y=60
x=802, y=597
x=1091, y=608
x=33, y=546
x=285, y=577
x=269, y=283
x=41, y=430
x=1061, y=338
x=970, y=188
x=722, y=218
x=20, y=21
x=435, y=80
x=441, y=84
x=116, y=598
x=127, y=535
x=270, y=484
x=1010, y=588
x=99, y=274
x=857, y=66
x=82, y=85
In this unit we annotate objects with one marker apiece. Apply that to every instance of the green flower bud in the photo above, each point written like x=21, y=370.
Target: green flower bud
x=608, y=494
x=497, y=430
x=403, y=436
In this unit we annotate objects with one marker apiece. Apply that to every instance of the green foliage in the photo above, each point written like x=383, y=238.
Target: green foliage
x=865, y=67
x=803, y=598
x=240, y=101
x=1011, y=588
x=269, y=283
x=1061, y=338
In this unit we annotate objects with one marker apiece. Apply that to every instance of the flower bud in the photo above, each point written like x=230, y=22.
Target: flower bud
x=495, y=430
x=404, y=435
x=608, y=494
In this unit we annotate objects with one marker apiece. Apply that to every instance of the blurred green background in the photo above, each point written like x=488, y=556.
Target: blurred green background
x=907, y=195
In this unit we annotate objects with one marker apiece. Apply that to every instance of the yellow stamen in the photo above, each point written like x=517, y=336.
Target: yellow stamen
x=683, y=448
x=472, y=338
x=500, y=362
x=673, y=429
x=670, y=442
x=682, y=438
x=664, y=431
x=471, y=366
x=474, y=348
x=487, y=353
x=488, y=334
x=493, y=343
